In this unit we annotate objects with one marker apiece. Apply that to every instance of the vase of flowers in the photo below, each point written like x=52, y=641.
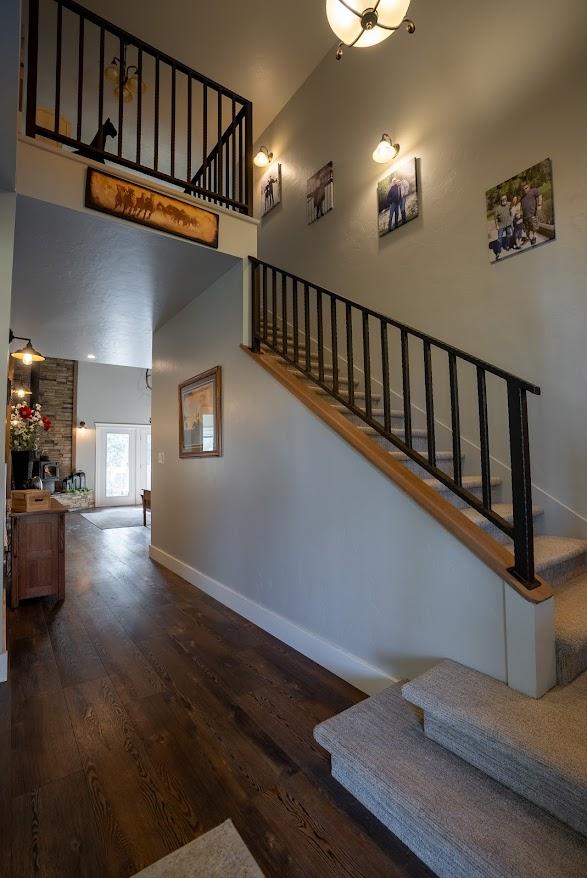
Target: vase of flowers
x=27, y=424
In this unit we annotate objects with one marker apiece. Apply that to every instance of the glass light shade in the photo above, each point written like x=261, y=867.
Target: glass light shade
x=347, y=26
x=127, y=93
x=112, y=72
x=20, y=392
x=28, y=355
x=263, y=157
x=385, y=150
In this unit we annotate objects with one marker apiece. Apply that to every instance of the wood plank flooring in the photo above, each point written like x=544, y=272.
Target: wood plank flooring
x=141, y=713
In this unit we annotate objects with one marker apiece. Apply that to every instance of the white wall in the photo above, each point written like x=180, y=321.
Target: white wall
x=479, y=93
x=107, y=394
x=294, y=529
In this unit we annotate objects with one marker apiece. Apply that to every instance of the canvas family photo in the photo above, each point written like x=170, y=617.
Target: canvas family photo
x=270, y=188
x=397, y=197
x=520, y=212
x=200, y=415
x=320, y=193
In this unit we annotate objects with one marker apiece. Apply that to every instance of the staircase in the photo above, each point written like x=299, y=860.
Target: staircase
x=476, y=778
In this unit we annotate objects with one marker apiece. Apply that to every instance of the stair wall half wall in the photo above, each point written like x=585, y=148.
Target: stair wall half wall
x=299, y=533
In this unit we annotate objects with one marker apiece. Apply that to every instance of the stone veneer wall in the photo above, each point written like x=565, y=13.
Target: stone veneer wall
x=57, y=397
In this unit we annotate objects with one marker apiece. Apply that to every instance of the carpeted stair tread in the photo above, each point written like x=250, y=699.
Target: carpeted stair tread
x=469, y=483
x=550, y=550
x=460, y=822
x=570, y=624
x=505, y=510
x=537, y=747
x=440, y=455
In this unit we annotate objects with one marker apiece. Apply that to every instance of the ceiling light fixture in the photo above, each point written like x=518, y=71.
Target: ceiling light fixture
x=27, y=354
x=386, y=150
x=263, y=157
x=360, y=26
x=91, y=356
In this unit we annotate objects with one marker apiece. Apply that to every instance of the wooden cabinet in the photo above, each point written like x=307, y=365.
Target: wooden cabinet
x=38, y=554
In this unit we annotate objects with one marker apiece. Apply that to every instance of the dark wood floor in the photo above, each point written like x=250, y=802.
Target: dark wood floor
x=140, y=713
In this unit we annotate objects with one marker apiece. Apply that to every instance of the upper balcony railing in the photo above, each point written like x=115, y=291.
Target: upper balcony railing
x=108, y=95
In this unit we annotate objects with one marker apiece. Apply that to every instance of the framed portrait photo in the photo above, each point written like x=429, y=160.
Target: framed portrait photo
x=200, y=415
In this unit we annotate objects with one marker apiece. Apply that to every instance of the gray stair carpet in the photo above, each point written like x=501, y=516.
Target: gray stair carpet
x=570, y=625
x=459, y=821
x=537, y=747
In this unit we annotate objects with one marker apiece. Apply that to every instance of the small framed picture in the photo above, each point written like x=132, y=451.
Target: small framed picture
x=398, y=199
x=200, y=415
x=320, y=193
x=270, y=188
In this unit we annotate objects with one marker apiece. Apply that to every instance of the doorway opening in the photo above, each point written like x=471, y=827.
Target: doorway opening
x=123, y=463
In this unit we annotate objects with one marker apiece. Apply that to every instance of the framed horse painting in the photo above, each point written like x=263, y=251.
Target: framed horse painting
x=148, y=207
x=270, y=188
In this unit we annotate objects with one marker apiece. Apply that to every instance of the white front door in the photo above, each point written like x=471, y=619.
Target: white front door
x=123, y=463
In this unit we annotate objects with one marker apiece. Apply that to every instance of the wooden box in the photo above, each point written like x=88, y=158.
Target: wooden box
x=30, y=500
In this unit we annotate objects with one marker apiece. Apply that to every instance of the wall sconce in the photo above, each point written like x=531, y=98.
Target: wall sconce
x=119, y=74
x=21, y=392
x=358, y=26
x=27, y=354
x=263, y=157
x=386, y=150
x=82, y=425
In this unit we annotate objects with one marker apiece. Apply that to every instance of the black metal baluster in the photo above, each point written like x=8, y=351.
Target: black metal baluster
x=265, y=308
x=307, y=326
x=484, y=437
x=334, y=343
x=205, y=135
x=274, y=309
x=189, y=146
x=240, y=161
x=80, y=78
x=320, y=334
x=101, y=81
x=406, y=388
x=156, y=130
x=296, y=340
x=121, y=74
x=385, y=377
x=349, y=353
x=455, y=419
x=284, y=313
x=219, y=147
x=249, y=158
x=521, y=484
x=429, y=403
x=367, y=365
x=58, y=68
x=173, y=91
x=256, y=340
x=139, y=103
x=32, y=68
x=233, y=152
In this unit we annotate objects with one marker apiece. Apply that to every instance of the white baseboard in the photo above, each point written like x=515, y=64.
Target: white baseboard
x=344, y=664
x=3, y=667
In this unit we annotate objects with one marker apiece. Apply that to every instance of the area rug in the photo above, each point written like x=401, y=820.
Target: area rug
x=119, y=516
x=220, y=853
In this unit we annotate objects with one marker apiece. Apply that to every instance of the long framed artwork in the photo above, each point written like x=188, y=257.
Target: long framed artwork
x=200, y=415
x=147, y=207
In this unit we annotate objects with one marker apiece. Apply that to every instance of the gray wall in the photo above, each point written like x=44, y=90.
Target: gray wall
x=111, y=395
x=479, y=93
x=297, y=531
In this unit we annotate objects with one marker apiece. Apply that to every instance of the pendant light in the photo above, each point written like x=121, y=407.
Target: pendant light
x=357, y=25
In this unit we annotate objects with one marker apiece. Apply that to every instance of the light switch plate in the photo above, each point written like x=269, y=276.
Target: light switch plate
x=160, y=457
